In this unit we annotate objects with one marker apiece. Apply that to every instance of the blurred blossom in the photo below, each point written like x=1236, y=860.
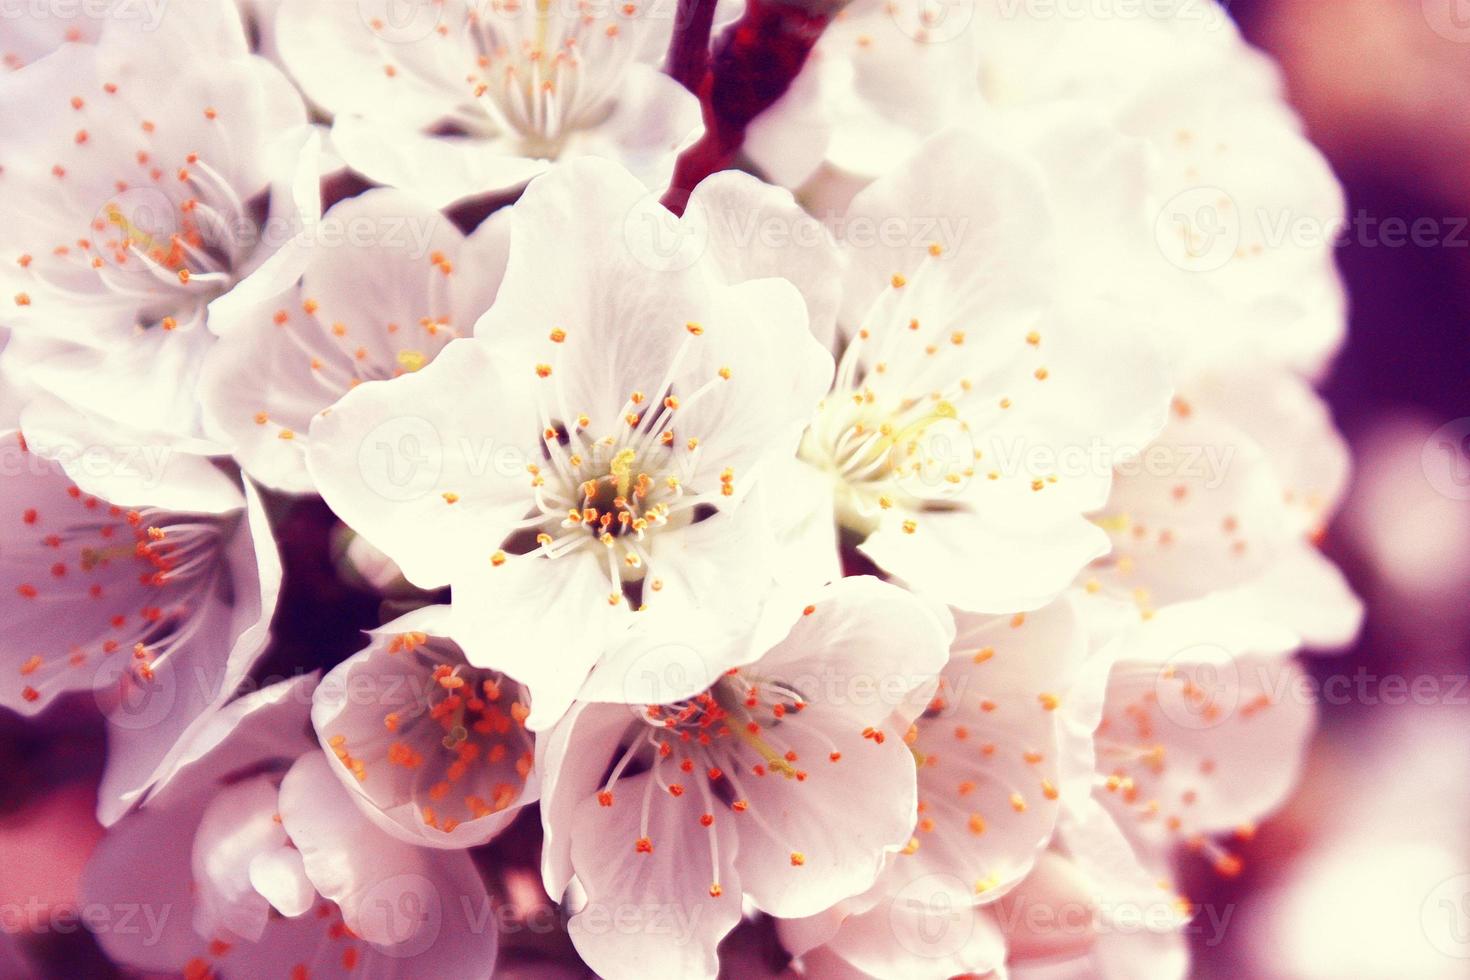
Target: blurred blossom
x=43, y=848
x=360, y=562
x=1368, y=75
x=1383, y=892
x=1410, y=517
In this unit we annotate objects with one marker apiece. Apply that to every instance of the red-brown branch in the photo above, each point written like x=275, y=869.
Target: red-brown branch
x=754, y=62
x=688, y=59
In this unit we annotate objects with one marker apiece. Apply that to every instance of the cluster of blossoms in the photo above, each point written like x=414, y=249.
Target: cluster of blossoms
x=908, y=529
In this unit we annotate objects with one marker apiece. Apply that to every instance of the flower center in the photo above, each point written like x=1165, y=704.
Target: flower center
x=542, y=75
x=612, y=491
x=896, y=429
x=169, y=241
x=609, y=495
x=134, y=581
x=457, y=745
x=901, y=455
x=744, y=726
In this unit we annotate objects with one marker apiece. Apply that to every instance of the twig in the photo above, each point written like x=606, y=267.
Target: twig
x=755, y=61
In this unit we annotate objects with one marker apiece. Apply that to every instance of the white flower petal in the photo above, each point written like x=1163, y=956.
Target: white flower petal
x=148, y=737
x=757, y=231
x=991, y=749
x=434, y=751
x=542, y=621
x=279, y=876
x=378, y=302
x=968, y=562
x=405, y=463
x=812, y=842
x=439, y=170
x=238, y=823
x=376, y=879
x=574, y=756
x=662, y=892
